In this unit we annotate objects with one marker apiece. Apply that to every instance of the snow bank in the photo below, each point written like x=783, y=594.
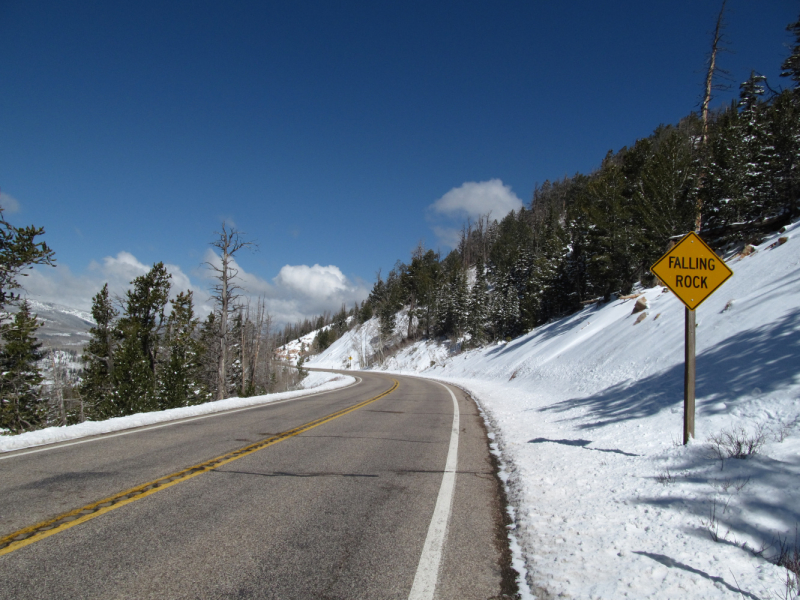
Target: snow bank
x=588, y=412
x=319, y=382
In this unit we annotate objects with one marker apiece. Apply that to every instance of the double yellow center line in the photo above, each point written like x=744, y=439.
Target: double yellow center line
x=34, y=533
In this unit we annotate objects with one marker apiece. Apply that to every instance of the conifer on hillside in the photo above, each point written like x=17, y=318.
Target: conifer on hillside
x=21, y=406
x=140, y=328
x=179, y=381
x=19, y=250
x=97, y=385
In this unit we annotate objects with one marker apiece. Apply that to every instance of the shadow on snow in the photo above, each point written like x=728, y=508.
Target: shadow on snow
x=765, y=357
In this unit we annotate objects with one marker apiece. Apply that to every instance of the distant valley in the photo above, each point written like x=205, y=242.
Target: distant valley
x=63, y=328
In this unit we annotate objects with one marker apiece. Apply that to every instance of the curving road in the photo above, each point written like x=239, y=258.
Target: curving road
x=326, y=502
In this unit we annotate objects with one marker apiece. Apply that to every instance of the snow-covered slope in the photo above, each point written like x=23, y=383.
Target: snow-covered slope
x=291, y=350
x=357, y=347
x=62, y=327
x=588, y=411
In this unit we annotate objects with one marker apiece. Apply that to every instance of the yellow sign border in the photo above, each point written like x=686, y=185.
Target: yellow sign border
x=685, y=238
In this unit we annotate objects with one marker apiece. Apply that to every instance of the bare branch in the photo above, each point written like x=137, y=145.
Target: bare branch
x=716, y=46
x=228, y=241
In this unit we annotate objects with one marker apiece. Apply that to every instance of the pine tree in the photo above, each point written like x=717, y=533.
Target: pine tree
x=234, y=371
x=662, y=189
x=134, y=382
x=784, y=124
x=505, y=307
x=452, y=298
x=365, y=312
x=791, y=66
x=209, y=347
x=135, y=373
x=740, y=180
x=180, y=381
x=418, y=289
x=21, y=408
x=759, y=149
x=18, y=251
x=460, y=303
x=723, y=184
x=478, y=306
x=549, y=269
x=613, y=263
x=387, y=318
x=97, y=387
x=578, y=226
x=386, y=297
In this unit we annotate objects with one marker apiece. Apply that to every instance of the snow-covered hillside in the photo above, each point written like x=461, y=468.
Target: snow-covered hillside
x=358, y=347
x=344, y=353
x=588, y=412
x=289, y=352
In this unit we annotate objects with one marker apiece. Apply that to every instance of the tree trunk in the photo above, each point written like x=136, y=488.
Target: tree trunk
x=712, y=66
x=222, y=384
x=229, y=242
x=411, y=308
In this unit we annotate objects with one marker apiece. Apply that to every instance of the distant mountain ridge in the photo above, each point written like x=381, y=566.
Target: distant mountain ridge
x=63, y=327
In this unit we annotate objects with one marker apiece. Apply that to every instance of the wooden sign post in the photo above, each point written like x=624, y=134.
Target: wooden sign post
x=692, y=271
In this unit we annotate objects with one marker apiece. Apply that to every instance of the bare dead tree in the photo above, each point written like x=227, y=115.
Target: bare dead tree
x=60, y=389
x=264, y=345
x=245, y=344
x=58, y=367
x=464, y=246
x=255, y=326
x=225, y=292
x=716, y=46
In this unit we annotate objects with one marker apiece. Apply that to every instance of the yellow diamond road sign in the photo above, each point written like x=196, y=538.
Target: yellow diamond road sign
x=692, y=270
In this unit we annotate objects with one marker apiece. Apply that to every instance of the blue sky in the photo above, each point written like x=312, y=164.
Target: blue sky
x=329, y=132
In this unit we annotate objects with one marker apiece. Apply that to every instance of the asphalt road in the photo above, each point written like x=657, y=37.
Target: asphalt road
x=341, y=510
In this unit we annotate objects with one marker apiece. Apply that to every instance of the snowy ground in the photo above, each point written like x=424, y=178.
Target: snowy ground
x=318, y=382
x=588, y=414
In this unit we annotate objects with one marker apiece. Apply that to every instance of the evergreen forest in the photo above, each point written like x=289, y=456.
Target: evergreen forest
x=732, y=175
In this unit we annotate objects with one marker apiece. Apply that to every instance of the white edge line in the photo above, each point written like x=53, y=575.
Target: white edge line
x=427, y=575
x=519, y=562
x=104, y=436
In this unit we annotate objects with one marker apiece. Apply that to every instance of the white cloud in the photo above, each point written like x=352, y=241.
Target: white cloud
x=9, y=203
x=61, y=286
x=248, y=283
x=471, y=200
x=474, y=199
x=124, y=266
x=316, y=281
x=296, y=293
